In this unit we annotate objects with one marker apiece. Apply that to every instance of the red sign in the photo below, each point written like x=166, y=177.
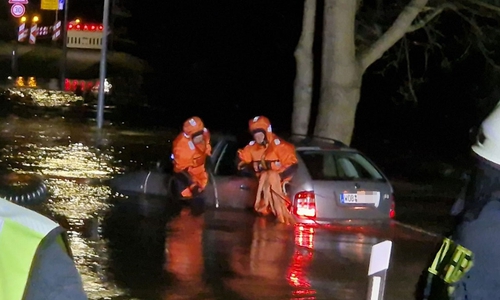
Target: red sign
x=18, y=2
x=17, y=10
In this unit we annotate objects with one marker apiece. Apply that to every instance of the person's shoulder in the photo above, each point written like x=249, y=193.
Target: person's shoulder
x=180, y=137
x=250, y=145
x=180, y=140
x=27, y=217
x=279, y=142
x=54, y=274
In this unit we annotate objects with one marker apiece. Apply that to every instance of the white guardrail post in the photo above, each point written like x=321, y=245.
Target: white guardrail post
x=377, y=272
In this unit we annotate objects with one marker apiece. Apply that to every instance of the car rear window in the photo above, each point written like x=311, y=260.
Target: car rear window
x=339, y=165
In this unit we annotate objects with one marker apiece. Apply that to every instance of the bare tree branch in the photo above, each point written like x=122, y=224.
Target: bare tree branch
x=408, y=70
x=479, y=40
x=487, y=57
x=466, y=52
x=393, y=34
x=485, y=5
x=429, y=17
x=472, y=23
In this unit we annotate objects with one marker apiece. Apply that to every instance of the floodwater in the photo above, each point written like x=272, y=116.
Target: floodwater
x=138, y=248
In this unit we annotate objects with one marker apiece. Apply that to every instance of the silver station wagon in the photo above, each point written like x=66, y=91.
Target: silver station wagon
x=333, y=183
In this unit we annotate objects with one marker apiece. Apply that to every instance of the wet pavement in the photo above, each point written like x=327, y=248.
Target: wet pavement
x=138, y=248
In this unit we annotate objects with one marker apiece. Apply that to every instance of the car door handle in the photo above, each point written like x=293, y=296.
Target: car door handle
x=244, y=187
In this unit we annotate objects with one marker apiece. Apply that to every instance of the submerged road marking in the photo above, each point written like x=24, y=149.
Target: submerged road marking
x=417, y=229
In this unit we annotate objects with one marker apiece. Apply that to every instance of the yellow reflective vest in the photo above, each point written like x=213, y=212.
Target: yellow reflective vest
x=21, y=232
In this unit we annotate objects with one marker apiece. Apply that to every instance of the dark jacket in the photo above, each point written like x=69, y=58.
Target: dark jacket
x=53, y=273
x=478, y=230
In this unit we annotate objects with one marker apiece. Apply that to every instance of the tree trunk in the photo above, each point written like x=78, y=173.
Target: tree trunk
x=304, y=76
x=336, y=116
x=341, y=73
x=343, y=70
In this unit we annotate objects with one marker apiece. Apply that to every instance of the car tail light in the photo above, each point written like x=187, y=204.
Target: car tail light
x=392, y=210
x=305, y=204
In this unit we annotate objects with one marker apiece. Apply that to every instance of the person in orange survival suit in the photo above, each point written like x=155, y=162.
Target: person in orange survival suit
x=190, y=150
x=268, y=152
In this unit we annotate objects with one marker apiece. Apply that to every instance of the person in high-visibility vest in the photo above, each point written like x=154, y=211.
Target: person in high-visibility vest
x=467, y=265
x=35, y=259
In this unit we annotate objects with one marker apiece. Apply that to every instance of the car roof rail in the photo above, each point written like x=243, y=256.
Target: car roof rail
x=330, y=140
x=307, y=139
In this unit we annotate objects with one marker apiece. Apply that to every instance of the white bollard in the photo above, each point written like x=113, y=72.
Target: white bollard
x=33, y=34
x=22, y=33
x=56, y=31
x=377, y=271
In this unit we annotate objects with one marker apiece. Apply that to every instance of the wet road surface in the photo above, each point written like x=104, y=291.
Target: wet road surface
x=138, y=248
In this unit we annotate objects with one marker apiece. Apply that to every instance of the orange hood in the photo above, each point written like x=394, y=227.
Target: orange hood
x=262, y=124
x=193, y=126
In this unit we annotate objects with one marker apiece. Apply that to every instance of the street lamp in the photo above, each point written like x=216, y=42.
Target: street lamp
x=35, y=19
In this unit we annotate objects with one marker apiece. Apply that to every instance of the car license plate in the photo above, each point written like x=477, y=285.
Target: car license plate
x=348, y=198
x=361, y=197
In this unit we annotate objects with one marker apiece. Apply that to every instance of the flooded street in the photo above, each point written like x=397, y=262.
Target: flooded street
x=138, y=248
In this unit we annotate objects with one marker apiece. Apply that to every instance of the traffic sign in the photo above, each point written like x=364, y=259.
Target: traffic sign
x=18, y=2
x=61, y=4
x=17, y=10
x=49, y=4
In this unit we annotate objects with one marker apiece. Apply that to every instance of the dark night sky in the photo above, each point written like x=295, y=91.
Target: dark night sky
x=227, y=53
x=210, y=57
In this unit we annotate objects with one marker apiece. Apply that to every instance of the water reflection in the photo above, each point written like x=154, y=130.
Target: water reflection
x=42, y=97
x=63, y=166
x=262, y=264
x=184, y=256
x=67, y=156
x=136, y=241
x=268, y=249
x=79, y=202
x=301, y=260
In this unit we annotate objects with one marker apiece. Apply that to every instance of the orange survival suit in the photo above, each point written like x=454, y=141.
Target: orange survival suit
x=273, y=154
x=189, y=158
x=274, y=162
